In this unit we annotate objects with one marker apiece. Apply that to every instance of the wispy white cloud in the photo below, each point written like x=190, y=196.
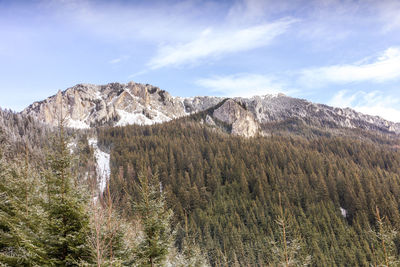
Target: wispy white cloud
x=214, y=43
x=115, y=60
x=166, y=20
x=117, y=21
x=384, y=68
x=372, y=103
x=174, y=33
x=244, y=85
x=118, y=60
x=342, y=99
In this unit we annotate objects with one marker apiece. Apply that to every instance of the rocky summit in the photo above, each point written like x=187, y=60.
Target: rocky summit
x=116, y=104
x=87, y=105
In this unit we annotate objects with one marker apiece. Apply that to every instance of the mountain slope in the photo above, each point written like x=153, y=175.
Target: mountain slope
x=228, y=187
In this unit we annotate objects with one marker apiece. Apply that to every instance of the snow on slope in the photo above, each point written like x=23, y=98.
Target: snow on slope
x=132, y=118
x=77, y=124
x=128, y=118
x=102, y=165
x=343, y=212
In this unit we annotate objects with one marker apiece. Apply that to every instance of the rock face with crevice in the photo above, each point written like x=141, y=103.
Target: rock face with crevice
x=242, y=121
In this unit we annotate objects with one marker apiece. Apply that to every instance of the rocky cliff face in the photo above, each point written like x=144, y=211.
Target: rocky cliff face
x=273, y=108
x=115, y=104
x=87, y=105
x=242, y=121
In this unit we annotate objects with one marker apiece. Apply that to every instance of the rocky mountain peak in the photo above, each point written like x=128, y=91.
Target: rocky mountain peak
x=116, y=104
x=88, y=105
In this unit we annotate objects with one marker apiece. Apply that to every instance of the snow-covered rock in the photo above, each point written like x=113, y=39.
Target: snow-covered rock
x=102, y=165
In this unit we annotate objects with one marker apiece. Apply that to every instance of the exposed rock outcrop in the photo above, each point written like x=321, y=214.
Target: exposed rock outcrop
x=275, y=108
x=209, y=121
x=241, y=120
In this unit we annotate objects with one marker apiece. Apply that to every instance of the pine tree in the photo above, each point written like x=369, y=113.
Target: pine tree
x=67, y=223
x=287, y=250
x=156, y=219
x=383, y=249
x=191, y=254
x=20, y=216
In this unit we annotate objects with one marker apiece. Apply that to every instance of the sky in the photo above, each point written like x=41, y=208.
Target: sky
x=342, y=53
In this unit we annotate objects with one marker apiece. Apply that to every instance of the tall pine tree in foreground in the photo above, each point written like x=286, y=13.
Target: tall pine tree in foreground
x=67, y=224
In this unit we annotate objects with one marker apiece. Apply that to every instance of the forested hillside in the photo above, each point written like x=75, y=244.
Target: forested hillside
x=22, y=132
x=333, y=196
x=51, y=213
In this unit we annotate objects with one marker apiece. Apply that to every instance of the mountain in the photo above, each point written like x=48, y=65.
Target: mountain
x=87, y=105
x=322, y=173
x=115, y=104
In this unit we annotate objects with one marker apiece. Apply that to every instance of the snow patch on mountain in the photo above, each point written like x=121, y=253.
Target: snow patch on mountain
x=77, y=124
x=153, y=116
x=127, y=118
x=102, y=165
x=71, y=146
x=159, y=116
x=343, y=212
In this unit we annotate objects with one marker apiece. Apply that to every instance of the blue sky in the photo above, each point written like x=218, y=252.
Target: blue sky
x=338, y=52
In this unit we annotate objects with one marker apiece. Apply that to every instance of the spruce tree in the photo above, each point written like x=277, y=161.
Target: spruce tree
x=156, y=219
x=287, y=250
x=67, y=223
x=384, y=252
x=20, y=217
x=191, y=254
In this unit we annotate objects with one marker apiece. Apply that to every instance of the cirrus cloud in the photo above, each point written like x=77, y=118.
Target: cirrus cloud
x=384, y=68
x=244, y=84
x=214, y=43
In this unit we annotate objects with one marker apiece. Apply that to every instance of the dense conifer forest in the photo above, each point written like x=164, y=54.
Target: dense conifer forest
x=335, y=195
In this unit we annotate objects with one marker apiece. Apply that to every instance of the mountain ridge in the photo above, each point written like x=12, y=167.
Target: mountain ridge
x=116, y=104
